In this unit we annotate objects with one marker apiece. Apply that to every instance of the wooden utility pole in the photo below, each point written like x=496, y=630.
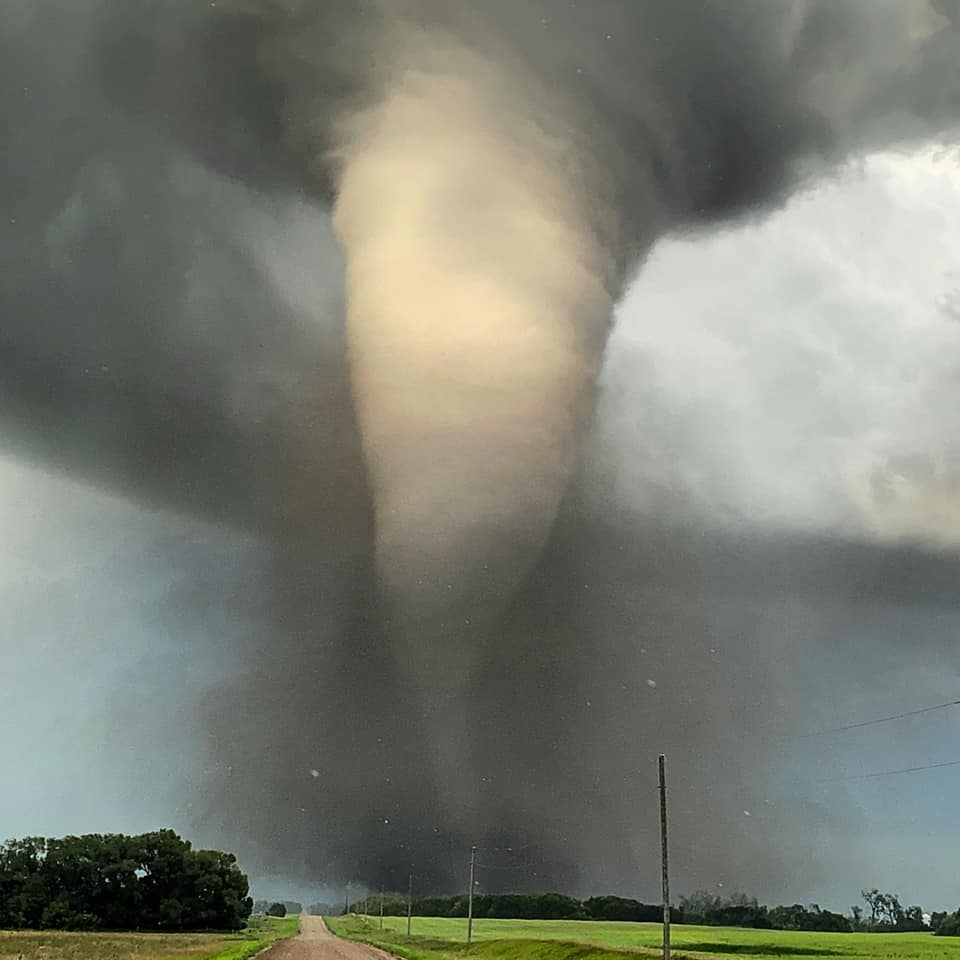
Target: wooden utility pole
x=409, y=902
x=381, y=906
x=473, y=864
x=664, y=859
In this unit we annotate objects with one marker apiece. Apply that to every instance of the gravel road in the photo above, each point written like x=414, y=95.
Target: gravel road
x=316, y=942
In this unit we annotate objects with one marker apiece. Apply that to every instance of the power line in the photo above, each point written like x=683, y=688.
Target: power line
x=870, y=723
x=892, y=773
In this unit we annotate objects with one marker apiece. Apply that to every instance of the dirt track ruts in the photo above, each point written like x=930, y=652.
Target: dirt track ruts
x=316, y=942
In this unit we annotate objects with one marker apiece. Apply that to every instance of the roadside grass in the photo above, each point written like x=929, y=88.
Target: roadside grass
x=56, y=945
x=440, y=938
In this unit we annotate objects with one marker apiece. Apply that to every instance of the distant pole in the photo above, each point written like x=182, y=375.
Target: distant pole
x=346, y=902
x=473, y=866
x=381, y=906
x=664, y=858
x=409, y=902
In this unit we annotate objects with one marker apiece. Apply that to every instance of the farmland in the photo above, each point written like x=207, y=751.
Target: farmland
x=56, y=945
x=443, y=939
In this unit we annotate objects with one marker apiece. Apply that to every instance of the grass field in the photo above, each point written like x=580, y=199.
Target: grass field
x=442, y=939
x=52, y=945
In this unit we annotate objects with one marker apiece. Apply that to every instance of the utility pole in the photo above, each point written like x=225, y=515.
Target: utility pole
x=346, y=902
x=381, y=906
x=664, y=858
x=473, y=865
x=409, y=902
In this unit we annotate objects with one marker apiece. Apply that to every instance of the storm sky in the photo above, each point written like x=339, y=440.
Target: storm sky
x=807, y=382
x=799, y=382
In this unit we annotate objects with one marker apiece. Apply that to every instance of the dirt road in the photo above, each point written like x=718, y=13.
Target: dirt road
x=316, y=942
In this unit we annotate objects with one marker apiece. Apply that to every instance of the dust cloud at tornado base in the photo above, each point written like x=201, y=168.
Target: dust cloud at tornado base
x=446, y=631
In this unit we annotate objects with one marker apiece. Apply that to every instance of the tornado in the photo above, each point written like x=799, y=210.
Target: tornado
x=478, y=301
x=339, y=275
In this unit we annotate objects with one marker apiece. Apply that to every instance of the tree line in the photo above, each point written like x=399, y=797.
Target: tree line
x=885, y=912
x=740, y=910
x=278, y=908
x=153, y=881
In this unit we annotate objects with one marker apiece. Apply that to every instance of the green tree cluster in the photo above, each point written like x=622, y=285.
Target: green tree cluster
x=736, y=910
x=812, y=917
x=946, y=924
x=703, y=907
x=266, y=907
x=154, y=881
x=625, y=908
x=887, y=914
x=522, y=906
x=740, y=910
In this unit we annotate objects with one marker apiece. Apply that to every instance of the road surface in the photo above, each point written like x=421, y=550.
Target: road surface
x=316, y=942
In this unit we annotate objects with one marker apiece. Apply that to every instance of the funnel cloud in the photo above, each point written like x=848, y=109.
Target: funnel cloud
x=339, y=278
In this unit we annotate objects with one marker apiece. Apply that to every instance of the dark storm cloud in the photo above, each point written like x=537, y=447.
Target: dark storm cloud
x=148, y=344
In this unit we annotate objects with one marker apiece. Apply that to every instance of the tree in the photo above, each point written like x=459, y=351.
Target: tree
x=153, y=881
x=217, y=891
x=528, y=906
x=697, y=905
x=736, y=910
x=886, y=910
x=874, y=902
x=620, y=908
x=23, y=886
x=277, y=910
x=949, y=926
x=798, y=917
x=893, y=910
x=912, y=919
x=739, y=915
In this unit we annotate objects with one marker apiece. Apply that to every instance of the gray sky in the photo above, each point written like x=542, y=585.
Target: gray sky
x=795, y=374
x=807, y=364
x=95, y=676
x=804, y=377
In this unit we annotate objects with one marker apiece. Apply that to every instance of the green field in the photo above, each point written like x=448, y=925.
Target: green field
x=54, y=945
x=443, y=939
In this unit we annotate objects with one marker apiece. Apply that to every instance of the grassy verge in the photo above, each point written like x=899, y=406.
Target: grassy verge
x=433, y=948
x=261, y=933
x=439, y=938
x=55, y=945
